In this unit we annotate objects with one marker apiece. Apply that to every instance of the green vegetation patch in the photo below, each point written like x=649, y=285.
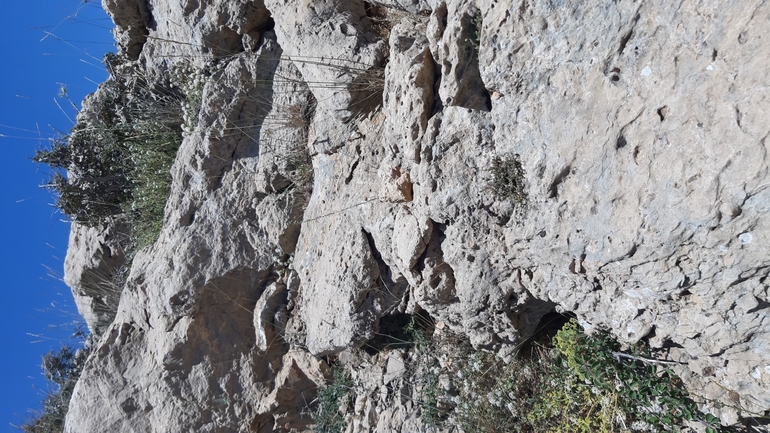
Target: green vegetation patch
x=598, y=388
x=576, y=383
x=62, y=369
x=427, y=372
x=116, y=161
x=327, y=416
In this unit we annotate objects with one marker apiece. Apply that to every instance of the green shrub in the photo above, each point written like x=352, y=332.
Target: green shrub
x=327, y=416
x=578, y=383
x=117, y=159
x=62, y=370
x=152, y=152
x=601, y=389
x=90, y=173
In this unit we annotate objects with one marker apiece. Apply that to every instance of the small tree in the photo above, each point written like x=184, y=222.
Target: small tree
x=63, y=370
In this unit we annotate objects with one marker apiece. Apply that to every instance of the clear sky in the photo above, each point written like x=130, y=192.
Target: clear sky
x=44, y=44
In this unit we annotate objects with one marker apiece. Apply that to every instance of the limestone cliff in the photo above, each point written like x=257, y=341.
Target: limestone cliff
x=341, y=171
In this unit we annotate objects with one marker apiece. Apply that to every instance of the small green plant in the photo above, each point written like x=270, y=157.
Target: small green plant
x=327, y=416
x=191, y=81
x=152, y=151
x=496, y=397
x=90, y=174
x=508, y=179
x=426, y=371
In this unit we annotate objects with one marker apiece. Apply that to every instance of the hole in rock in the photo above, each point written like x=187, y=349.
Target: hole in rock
x=398, y=331
x=546, y=329
x=624, y=41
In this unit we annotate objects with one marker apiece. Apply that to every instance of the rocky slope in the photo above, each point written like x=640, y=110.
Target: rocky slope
x=344, y=168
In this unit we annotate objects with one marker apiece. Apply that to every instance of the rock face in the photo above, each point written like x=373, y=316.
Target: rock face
x=303, y=215
x=95, y=256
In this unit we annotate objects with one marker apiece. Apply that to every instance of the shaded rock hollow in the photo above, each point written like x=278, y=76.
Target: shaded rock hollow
x=302, y=215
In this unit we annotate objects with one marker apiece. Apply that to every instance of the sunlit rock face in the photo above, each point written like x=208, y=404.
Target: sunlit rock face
x=341, y=171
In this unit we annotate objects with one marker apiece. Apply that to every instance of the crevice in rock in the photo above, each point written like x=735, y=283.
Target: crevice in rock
x=597, y=286
x=718, y=354
x=624, y=41
x=621, y=135
x=438, y=105
x=576, y=266
x=650, y=334
x=438, y=275
x=392, y=291
x=263, y=423
x=419, y=266
x=631, y=252
x=352, y=171
x=471, y=92
x=761, y=305
x=553, y=189
x=615, y=77
x=187, y=218
x=441, y=13
x=671, y=344
x=627, y=36
x=549, y=324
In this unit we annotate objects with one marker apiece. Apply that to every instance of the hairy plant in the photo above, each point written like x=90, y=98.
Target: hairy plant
x=426, y=370
x=508, y=179
x=366, y=93
x=104, y=288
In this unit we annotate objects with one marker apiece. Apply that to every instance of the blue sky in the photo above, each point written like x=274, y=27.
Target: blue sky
x=45, y=44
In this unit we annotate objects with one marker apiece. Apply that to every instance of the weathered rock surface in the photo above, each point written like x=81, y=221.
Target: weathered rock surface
x=93, y=264
x=301, y=220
